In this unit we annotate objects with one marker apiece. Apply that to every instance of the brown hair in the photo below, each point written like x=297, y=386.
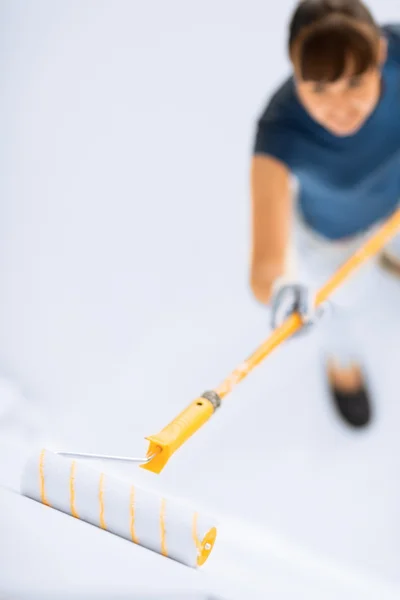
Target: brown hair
x=328, y=36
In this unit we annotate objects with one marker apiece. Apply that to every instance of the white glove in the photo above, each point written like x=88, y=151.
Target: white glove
x=294, y=297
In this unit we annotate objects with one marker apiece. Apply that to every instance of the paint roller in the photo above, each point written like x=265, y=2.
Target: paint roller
x=163, y=525
x=56, y=479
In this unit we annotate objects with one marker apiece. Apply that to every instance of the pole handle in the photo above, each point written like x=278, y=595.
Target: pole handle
x=163, y=445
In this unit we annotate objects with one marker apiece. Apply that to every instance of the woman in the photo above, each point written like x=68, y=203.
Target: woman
x=332, y=129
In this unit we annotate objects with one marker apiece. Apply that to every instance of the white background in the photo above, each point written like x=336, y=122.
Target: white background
x=126, y=132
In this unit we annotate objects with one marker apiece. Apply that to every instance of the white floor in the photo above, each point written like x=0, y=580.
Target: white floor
x=304, y=502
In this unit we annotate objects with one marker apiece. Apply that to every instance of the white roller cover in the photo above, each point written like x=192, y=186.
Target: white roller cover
x=160, y=524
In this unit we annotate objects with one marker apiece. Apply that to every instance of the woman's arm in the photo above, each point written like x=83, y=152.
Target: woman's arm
x=271, y=218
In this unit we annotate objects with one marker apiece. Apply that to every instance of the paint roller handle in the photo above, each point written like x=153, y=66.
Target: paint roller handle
x=163, y=445
x=293, y=323
x=176, y=433
x=369, y=249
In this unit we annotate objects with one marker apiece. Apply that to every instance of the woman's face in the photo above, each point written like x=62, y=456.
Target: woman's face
x=343, y=106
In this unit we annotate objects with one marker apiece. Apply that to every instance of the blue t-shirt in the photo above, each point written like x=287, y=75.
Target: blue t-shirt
x=346, y=184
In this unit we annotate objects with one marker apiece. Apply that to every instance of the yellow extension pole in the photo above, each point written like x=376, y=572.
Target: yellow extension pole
x=165, y=443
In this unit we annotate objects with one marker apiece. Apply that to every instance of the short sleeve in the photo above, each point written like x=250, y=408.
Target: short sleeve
x=392, y=33
x=273, y=140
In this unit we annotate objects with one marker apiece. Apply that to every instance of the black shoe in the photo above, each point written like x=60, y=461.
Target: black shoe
x=389, y=264
x=353, y=405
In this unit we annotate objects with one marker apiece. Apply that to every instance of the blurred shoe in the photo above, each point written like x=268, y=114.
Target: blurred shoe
x=389, y=263
x=349, y=393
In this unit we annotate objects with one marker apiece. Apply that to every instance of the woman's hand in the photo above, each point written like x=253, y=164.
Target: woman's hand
x=294, y=297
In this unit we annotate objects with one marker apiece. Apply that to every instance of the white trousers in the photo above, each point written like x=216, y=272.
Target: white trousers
x=313, y=259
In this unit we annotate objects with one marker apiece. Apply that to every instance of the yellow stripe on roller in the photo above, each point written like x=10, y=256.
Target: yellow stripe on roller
x=164, y=550
x=101, y=502
x=132, y=516
x=72, y=490
x=196, y=540
x=43, y=497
